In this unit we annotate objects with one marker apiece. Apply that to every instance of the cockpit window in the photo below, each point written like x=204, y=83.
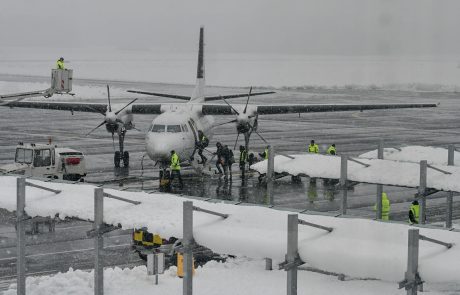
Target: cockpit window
x=158, y=128
x=173, y=128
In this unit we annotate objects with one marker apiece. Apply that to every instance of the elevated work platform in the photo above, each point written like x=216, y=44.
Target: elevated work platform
x=61, y=83
x=386, y=172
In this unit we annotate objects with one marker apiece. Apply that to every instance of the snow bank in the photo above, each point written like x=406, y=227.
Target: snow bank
x=240, y=276
x=356, y=247
x=434, y=155
x=379, y=172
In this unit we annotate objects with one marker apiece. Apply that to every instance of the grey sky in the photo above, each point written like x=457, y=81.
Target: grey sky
x=268, y=26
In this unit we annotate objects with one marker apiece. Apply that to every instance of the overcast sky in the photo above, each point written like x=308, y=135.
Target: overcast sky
x=258, y=26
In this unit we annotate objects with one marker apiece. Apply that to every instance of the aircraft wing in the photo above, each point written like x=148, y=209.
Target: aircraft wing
x=81, y=107
x=206, y=98
x=60, y=106
x=311, y=108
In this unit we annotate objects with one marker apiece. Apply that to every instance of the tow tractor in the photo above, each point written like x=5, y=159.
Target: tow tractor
x=145, y=243
x=61, y=83
x=47, y=161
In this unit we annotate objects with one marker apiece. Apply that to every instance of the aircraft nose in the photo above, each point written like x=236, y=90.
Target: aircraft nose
x=158, y=148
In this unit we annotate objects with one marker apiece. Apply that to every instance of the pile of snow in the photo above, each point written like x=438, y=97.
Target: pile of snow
x=240, y=276
x=356, y=247
x=434, y=155
x=384, y=172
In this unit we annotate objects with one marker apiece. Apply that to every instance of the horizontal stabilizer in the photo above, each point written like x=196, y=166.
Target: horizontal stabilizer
x=211, y=98
x=161, y=94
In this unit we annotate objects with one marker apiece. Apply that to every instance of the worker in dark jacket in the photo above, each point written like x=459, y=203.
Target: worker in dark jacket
x=414, y=212
x=229, y=159
x=220, y=157
x=200, y=145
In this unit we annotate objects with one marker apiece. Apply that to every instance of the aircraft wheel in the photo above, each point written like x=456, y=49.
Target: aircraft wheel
x=126, y=159
x=116, y=159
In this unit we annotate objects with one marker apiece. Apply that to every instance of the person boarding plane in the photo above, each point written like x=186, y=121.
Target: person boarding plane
x=177, y=124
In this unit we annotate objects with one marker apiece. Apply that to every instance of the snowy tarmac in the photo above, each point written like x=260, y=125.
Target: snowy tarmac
x=352, y=132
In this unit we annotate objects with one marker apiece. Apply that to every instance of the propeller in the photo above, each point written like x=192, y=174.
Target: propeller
x=111, y=117
x=243, y=122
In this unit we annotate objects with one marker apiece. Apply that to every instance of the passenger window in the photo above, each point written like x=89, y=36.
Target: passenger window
x=173, y=128
x=158, y=128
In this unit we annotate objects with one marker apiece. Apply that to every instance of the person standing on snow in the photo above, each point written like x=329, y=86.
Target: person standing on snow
x=414, y=212
x=385, y=207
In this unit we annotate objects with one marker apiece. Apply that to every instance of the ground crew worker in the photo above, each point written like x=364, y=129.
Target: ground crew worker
x=243, y=159
x=220, y=157
x=414, y=212
x=385, y=207
x=229, y=159
x=175, y=168
x=60, y=64
x=264, y=155
x=331, y=150
x=313, y=148
x=200, y=145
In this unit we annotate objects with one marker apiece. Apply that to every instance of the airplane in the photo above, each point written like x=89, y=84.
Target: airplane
x=177, y=125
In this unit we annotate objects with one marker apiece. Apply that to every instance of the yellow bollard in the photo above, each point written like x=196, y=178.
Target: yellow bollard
x=180, y=265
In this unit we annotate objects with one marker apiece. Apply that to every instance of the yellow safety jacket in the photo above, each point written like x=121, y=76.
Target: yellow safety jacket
x=243, y=156
x=60, y=65
x=313, y=148
x=415, y=209
x=331, y=150
x=266, y=154
x=175, y=165
x=385, y=207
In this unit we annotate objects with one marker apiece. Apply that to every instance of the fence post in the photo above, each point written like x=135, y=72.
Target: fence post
x=98, y=241
x=421, y=191
x=270, y=172
x=291, y=256
x=20, y=236
x=187, y=242
x=378, y=201
x=412, y=261
x=450, y=195
x=343, y=183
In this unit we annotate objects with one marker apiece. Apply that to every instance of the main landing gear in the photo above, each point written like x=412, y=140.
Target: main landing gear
x=121, y=156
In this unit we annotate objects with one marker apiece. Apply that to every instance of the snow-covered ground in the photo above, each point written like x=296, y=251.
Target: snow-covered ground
x=356, y=247
x=385, y=172
x=235, y=277
x=433, y=155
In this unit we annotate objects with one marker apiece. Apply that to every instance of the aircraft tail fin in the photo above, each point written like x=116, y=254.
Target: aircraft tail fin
x=198, y=92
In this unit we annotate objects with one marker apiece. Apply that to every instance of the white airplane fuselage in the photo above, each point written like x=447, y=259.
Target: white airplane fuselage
x=176, y=129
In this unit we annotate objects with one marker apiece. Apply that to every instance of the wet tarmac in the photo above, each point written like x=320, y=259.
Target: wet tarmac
x=352, y=132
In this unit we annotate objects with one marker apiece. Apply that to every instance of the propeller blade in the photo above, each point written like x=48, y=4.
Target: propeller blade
x=117, y=112
x=230, y=105
x=232, y=121
x=103, y=122
x=108, y=97
x=261, y=137
x=236, y=141
x=247, y=101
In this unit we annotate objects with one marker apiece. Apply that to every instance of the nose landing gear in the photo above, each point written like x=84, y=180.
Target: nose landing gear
x=121, y=155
